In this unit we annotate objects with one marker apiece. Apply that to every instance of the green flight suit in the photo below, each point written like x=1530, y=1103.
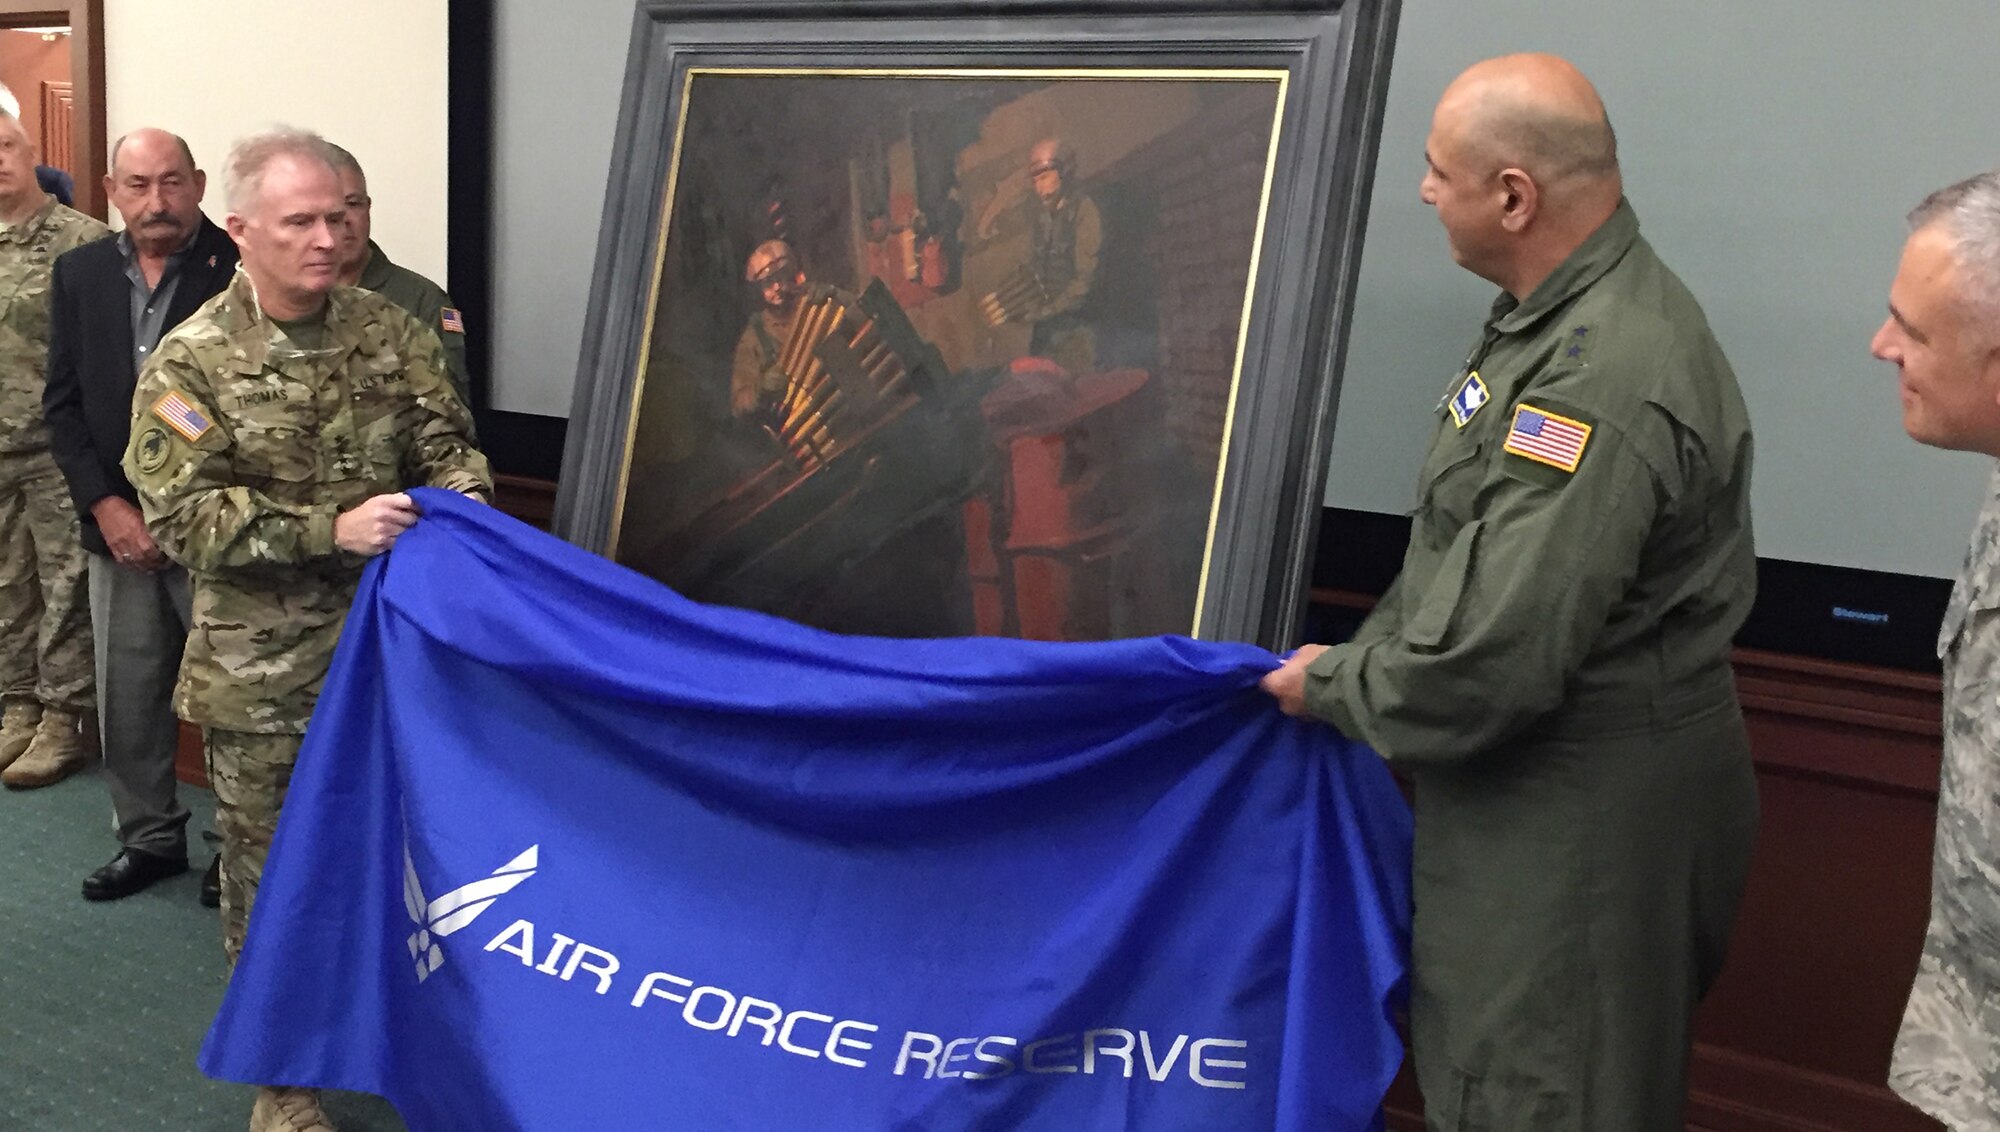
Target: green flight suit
x=1551, y=670
x=427, y=303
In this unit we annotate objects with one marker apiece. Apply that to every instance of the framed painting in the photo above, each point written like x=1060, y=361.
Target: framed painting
x=929, y=319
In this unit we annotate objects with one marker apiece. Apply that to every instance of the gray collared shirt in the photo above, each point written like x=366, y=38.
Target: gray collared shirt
x=149, y=304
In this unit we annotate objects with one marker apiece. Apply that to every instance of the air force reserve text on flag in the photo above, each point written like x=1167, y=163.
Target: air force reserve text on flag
x=566, y=851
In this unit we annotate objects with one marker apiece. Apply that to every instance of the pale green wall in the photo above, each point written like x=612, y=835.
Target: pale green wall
x=1771, y=148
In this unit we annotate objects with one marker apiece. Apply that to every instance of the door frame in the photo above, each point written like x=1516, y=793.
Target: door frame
x=88, y=145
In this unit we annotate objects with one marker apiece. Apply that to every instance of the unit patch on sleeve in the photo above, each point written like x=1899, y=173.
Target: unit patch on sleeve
x=181, y=416
x=153, y=450
x=1467, y=401
x=1547, y=438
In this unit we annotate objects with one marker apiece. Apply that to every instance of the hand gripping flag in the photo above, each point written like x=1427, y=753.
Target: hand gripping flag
x=567, y=851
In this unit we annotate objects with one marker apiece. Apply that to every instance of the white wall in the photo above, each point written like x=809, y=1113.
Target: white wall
x=556, y=83
x=1771, y=150
x=368, y=74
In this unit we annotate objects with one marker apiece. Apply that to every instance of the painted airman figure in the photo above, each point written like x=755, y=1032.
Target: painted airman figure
x=1066, y=239
x=773, y=271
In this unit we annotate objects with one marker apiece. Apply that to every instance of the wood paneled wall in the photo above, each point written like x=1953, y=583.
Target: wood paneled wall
x=1795, y=1036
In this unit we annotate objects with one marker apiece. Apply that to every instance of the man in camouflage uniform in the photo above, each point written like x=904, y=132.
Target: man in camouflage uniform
x=273, y=437
x=1065, y=236
x=1943, y=335
x=363, y=264
x=46, y=675
x=1551, y=668
x=773, y=271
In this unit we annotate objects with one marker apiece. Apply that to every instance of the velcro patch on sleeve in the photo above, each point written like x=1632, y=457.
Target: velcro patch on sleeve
x=1547, y=438
x=181, y=416
x=451, y=320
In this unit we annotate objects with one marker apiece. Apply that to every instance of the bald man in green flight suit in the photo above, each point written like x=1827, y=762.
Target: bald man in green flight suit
x=1551, y=667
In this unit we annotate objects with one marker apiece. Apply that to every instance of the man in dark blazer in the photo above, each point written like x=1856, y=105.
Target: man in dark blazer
x=111, y=302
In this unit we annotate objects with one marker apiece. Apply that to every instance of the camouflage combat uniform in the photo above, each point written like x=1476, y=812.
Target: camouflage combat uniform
x=45, y=651
x=248, y=439
x=1947, y=1059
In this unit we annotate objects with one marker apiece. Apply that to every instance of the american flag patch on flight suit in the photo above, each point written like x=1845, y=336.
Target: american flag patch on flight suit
x=1544, y=437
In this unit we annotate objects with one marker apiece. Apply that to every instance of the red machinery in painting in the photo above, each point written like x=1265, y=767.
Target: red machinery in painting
x=1053, y=552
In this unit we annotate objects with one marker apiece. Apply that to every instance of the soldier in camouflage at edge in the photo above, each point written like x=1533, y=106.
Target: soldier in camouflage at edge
x=1943, y=335
x=273, y=437
x=46, y=674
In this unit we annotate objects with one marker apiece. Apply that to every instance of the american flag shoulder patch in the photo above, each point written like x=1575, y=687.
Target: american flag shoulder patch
x=451, y=320
x=181, y=416
x=1547, y=438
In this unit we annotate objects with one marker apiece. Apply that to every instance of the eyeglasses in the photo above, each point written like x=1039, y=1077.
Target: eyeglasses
x=779, y=271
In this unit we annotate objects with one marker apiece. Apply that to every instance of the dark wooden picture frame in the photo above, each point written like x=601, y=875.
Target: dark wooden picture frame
x=1326, y=66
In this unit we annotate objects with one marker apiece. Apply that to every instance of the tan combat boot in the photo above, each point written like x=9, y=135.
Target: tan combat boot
x=56, y=752
x=17, y=728
x=280, y=1108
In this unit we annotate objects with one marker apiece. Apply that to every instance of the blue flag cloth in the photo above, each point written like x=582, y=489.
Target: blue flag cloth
x=565, y=851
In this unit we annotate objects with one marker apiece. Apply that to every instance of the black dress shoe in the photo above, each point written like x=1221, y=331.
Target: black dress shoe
x=211, y=883
x=129, y=872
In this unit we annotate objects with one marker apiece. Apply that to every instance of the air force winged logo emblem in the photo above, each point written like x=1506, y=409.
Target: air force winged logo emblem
x=1471, y=396
x=435, y=919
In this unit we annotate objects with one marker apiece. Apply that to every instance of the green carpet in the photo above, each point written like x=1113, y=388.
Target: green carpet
x=103, y=1006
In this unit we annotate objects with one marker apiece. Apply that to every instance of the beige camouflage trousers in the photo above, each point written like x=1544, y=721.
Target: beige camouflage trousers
x=44, y=596
x=250, y=775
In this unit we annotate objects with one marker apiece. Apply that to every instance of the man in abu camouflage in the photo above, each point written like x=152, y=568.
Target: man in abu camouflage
x=1943, y=336
x=46, y=678
x=274, y=435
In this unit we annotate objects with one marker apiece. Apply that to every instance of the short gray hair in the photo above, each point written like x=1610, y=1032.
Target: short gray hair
x=1969, y=213
x=243, y=171
x=344, y=161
